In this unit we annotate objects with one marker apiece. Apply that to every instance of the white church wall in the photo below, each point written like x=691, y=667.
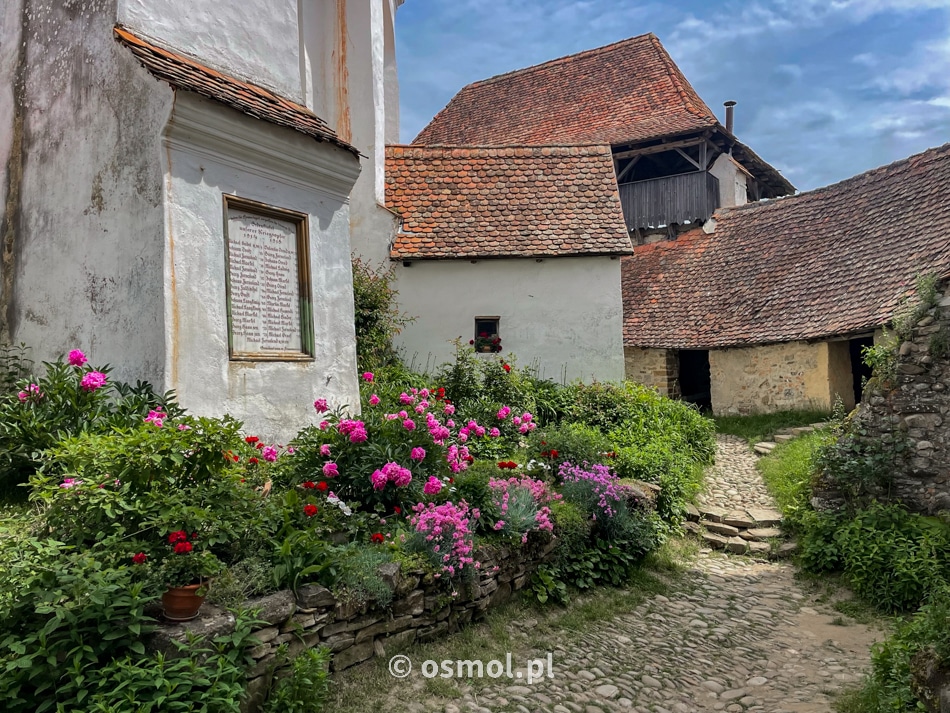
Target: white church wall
x=564, y=314
x=85, y=222
x=213, y=151
x=253, y=40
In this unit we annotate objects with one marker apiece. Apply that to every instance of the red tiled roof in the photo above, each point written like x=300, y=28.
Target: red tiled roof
x=464, y=202
x=184, y=73
x=833, y=261
x=623, y=93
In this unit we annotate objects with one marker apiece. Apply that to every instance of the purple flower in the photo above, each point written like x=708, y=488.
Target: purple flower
x=93, y=380
x=76, y=358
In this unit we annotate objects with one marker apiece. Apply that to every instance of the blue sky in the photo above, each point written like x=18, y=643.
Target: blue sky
x=826, y=88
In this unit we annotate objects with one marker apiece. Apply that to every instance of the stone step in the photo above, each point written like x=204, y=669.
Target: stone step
x=739, y=518
x=765, y=517
x=712, y=513
x=721, y=529
x=692, y=514
x=760, y=534
x=803, y=429
x=784, y=437
x=764, y=448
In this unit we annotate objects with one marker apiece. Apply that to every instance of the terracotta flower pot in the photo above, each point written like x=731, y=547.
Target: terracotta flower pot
x=182, y=603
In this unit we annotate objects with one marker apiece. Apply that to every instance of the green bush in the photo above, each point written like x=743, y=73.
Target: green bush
x=861, y=465
x=572, y=442
x=378, y=319
x=358, y=579
x=307, y=687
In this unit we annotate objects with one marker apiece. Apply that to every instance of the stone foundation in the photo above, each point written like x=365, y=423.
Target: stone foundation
x=655, y=368
x=774, y=377
x=355, y=633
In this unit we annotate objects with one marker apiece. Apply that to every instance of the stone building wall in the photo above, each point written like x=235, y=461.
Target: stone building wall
x=773, y=377
x=656, y=368
x=914, y=407
x=355, y=633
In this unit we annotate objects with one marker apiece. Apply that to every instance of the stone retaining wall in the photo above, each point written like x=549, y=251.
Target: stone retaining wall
x=913, y=405
x=314, y=617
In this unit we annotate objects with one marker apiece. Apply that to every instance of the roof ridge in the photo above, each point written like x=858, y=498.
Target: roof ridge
x=679, y=79
x=821, y=190
x=558, y=60
x=499, y=147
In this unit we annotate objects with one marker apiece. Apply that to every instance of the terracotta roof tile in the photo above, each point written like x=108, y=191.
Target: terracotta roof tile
x=833, y=261
x=478, y=201
x=184, y=73
x=622, y=93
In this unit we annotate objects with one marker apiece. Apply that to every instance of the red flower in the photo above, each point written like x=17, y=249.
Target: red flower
x=483, y=334
x=182, y=548
x=309, y=485
x=253, y=461
x=471, y=341
x=259, y=446
x=469, y=459
x=309, y=510
x=506, y=367
x=397, y=509
x=377, y=538
x=177, y=536
x=321, y=486
x=554, y=454
x=251, y=439
x=139, y=558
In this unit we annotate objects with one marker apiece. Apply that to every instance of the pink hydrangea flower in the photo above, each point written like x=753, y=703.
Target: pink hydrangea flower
x=269, y=453
x=432, y=486
x=325, y=450
x=373, y=400
x=330, y=470
x=368, y=376
x=418, y=453
x=93, y=380
x=321, y=405
x=76, y=358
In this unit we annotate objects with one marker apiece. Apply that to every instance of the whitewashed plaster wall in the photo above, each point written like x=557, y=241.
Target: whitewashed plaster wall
x=733, y=181
x=213, y=151
x=83, y=206
x=564, y=314
x=350, y=72
x=254, y=40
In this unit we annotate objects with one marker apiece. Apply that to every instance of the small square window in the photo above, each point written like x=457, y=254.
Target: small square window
x=487, y=336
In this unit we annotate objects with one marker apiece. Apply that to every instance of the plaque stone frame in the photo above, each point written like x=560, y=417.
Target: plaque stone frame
x=289, y=220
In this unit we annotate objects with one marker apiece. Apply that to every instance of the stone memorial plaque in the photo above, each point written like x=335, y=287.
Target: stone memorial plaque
x=268, y=282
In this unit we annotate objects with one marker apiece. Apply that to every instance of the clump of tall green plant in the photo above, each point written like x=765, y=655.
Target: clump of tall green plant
x=378, y=319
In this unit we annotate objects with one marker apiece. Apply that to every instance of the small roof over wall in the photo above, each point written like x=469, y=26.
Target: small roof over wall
x=483, y=202
x=833, y=261
x=189, y=75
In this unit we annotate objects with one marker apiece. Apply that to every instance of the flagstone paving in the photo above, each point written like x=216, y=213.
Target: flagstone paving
x=736, y=634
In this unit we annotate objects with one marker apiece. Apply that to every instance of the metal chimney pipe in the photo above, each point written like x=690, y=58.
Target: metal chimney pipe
x=730, y=114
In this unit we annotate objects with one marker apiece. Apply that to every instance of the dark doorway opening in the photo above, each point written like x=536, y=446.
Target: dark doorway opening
x=860, y=372
x=695, y=382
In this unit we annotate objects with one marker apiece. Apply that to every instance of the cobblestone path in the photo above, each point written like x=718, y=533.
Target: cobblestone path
x=737, y=634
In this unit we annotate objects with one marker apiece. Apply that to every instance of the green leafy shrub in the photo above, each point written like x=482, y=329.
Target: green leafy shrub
x=569, y=442
x=862, y=466
x=378, y=319
x=15, y=365
x=69, y=399
x=818, y=542
x=307, y=687
x=471, y=485
x=359, y=579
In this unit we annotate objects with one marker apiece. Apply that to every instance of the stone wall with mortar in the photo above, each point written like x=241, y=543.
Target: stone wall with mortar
x=773, y=377
x=355, y=633
x=913, y=406
x=656, y=368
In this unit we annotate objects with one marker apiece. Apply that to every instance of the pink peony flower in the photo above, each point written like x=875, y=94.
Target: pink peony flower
x=418, y=453
x=22, y=396
x=184, y=427
x=503, y=413
x=379, y=479
x=373, y=400
x=269, y=453
x=76, y=358
x=321, y=405
x=368, y=376
x=324, y=425
x=494, y=433
x=325, y=450
x=330, y=470
x=93, y=380
x=409, y=424
x=449, y=409
x=432, y=486
x=156, y=418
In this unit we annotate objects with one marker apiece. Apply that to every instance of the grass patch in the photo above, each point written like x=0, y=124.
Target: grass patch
x=521, y=627
x=761, y=427
x=787, y=472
